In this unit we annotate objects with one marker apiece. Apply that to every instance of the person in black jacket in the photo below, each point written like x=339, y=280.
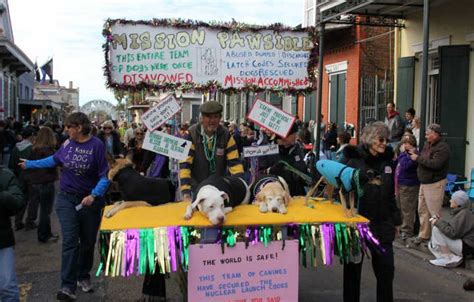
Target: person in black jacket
x=11, y=201
x=40, y=183
x=375, y=160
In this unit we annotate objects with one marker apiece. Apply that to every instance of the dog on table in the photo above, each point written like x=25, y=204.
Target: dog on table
x=337, y=176
x=217, y=195
x=271, y=194
x=136, y=189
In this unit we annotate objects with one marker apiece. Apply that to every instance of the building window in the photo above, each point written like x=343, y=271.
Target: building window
x=21, y=91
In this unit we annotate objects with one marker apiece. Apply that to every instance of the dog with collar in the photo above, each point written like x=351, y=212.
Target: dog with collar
x=136, y=189
x=216, y=196
x=271, y=194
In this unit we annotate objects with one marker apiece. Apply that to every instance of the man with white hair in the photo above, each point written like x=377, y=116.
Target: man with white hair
x=453, y=236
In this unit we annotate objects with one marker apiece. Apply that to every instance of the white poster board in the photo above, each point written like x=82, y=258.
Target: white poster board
x=159, y=114
x=159, y=55
x=167, y=145
x=268, y=116
x=260, y=150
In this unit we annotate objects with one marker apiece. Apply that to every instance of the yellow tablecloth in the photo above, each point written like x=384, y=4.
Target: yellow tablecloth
x=171, y=214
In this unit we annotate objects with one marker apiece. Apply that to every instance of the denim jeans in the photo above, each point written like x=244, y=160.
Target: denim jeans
x=8, y=285
x=43, y=194
x=79, y=233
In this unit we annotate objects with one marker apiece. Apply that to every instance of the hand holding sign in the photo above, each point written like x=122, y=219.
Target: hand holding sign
x=159, y=114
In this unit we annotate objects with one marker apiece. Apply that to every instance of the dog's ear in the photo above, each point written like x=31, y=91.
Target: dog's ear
x=225, y=196
x=287, y=198
x=195, y=203
x=260, y=197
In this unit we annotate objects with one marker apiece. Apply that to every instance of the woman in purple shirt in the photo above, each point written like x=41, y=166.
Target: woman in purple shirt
x=80, y=201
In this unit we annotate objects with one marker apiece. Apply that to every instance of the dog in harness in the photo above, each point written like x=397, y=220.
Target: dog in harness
x=216, y=196
x=337, y=176
x=271, y=194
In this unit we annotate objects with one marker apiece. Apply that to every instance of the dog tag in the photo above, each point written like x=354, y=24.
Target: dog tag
x=388, y=170
x=219, y=152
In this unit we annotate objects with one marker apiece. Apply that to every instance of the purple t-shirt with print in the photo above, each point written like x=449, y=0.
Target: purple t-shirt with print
x=83, y=164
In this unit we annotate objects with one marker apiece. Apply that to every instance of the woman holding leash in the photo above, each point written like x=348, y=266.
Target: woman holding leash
x=375, y=161
x=80, y=201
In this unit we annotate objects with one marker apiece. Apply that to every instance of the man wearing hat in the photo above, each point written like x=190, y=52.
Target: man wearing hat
x=213, y=151
x=433, y=163
x=453, y=236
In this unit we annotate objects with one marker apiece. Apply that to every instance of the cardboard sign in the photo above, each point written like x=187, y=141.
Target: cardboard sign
x=159, y=55
x=256, y=273
x=163, y=111
x=268, y=116
x=260, y=150
x=167, y=145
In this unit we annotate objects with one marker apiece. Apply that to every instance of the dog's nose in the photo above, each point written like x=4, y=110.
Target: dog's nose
x=221, y=219
x=274, y=209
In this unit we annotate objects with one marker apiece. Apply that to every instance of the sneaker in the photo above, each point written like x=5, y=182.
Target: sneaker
x=434, y=249
x=454, y=261
x=85, y=286
x=51, y=239
x=418, y=240
x=403, y=236
x=65, y=294
x=441, y=261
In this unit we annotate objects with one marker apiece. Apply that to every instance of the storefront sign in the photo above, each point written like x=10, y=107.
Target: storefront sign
x=256, y=273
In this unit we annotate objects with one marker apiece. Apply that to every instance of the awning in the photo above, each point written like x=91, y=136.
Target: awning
x=46, y=103
x=14, y=58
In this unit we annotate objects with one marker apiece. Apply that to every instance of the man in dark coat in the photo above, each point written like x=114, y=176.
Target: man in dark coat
x=11, y=201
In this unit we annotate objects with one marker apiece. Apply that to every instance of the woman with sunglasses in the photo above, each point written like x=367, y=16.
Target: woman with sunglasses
x=111, y=139
x=79, y=204
x=374, y=158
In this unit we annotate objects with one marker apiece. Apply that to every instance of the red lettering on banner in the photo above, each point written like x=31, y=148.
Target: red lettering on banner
x=157, y=78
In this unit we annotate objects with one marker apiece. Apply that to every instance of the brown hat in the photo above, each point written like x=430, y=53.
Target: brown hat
x=211, y=107
x=436, y=128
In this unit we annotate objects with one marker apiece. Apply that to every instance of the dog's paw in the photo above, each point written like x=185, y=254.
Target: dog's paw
x=283, y=210
x=189, y=213
x=263, y=207
x=227, y=210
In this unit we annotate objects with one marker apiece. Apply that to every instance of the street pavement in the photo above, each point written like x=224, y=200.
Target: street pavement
x=38, y=267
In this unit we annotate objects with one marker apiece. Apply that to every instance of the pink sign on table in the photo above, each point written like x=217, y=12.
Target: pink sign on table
x=255, y=274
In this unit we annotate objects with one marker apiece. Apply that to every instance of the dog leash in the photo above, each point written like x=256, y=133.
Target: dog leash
x=290, y=168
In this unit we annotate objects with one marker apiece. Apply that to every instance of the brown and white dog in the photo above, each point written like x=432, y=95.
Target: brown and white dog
x=271, y=194
x=216, y=196
x=136, y=189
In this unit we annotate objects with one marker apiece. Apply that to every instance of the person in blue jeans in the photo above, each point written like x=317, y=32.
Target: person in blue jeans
x=79, y=204
x=11, y=202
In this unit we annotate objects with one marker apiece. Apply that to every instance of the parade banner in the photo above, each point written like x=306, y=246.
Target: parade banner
x=257, y=273
x=268, y=116
x=167, y=145
x=260, y=150
x=159, y=114
x=170, y=54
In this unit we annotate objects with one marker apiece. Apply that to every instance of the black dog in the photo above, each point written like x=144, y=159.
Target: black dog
x=136, y=189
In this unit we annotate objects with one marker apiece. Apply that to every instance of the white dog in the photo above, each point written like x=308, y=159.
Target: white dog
x=216, y=196
x=271, y=194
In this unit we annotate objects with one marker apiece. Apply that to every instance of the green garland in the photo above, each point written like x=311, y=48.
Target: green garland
x=210, y=154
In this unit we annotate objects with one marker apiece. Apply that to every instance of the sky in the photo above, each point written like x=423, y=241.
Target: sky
x=71, y=31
